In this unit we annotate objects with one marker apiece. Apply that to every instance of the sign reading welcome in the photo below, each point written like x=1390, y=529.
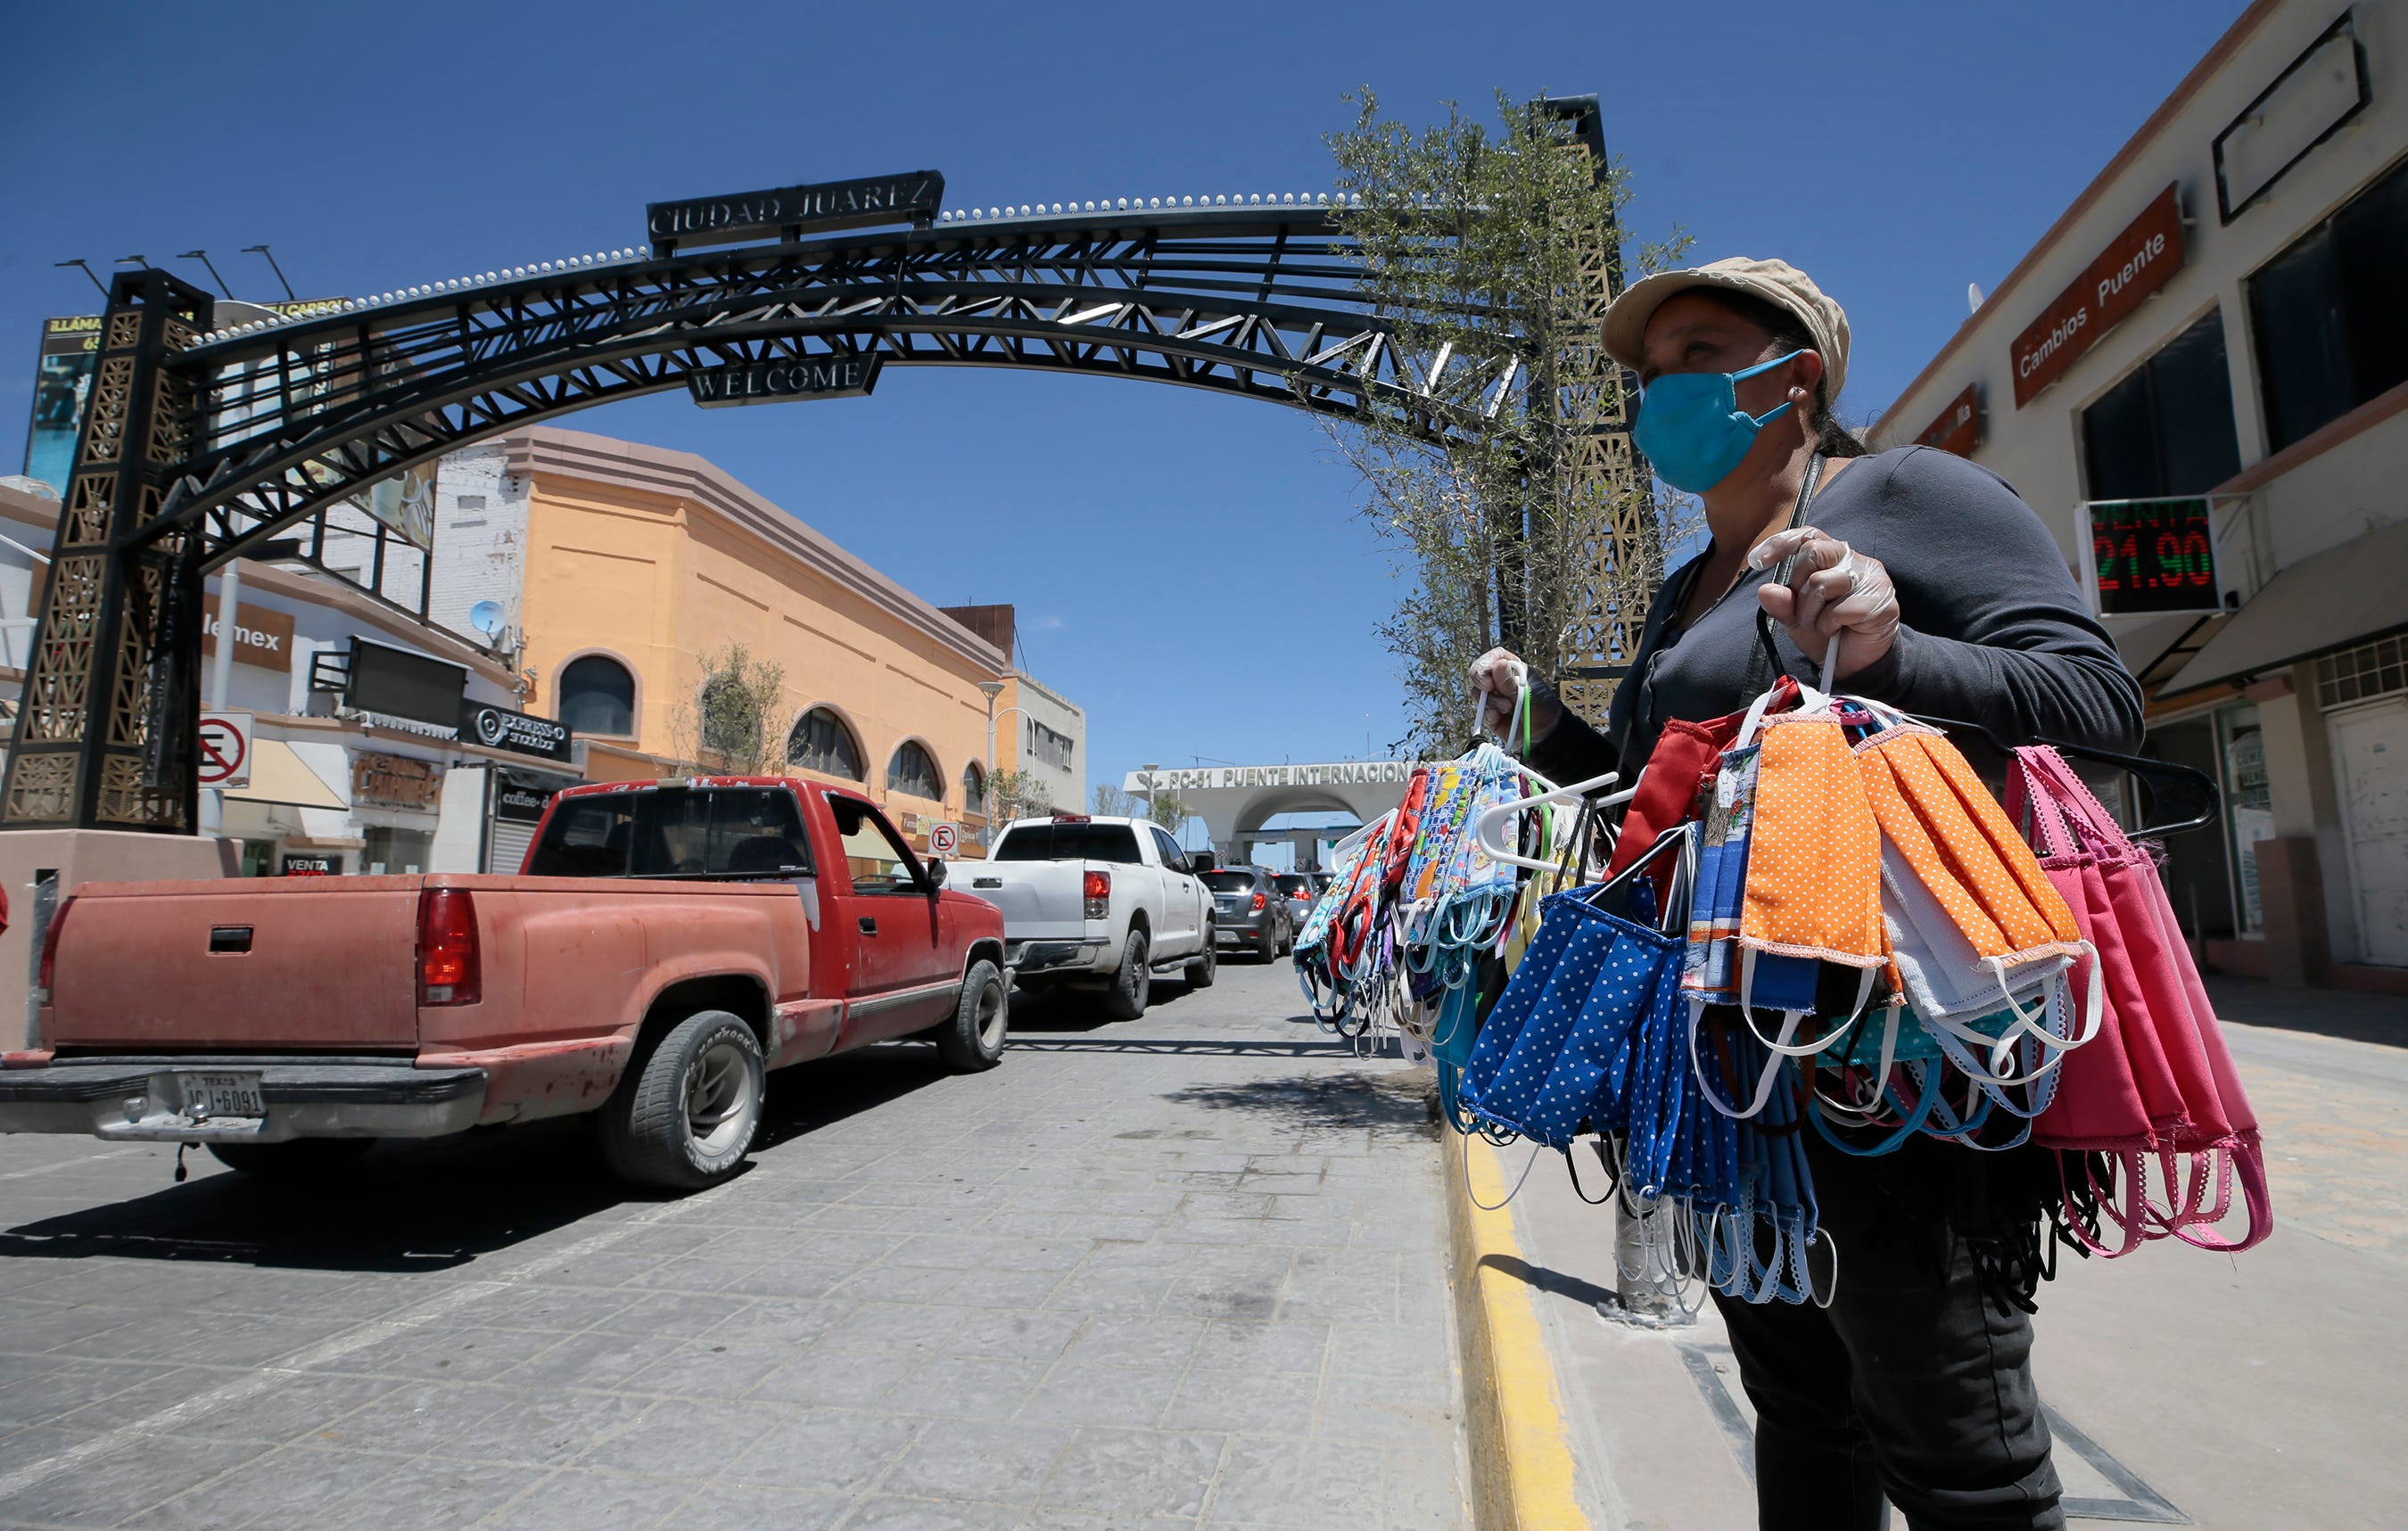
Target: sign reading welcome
x=2135, y=263
x=800, y=377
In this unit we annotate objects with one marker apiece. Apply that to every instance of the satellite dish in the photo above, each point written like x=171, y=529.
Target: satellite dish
x=486, y=617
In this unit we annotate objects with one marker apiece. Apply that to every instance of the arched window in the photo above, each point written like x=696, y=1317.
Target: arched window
x=598, y=696
x=973, y=788
x=913, y=773
x=820, y=742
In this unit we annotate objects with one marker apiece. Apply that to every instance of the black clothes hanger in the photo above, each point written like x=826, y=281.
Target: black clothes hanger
x=2191, y=796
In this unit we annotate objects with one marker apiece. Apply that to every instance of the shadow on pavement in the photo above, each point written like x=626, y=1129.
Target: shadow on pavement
x=1330, y=1101
x=437, y=1204
x=1553, y=1282
x=2352, y=1015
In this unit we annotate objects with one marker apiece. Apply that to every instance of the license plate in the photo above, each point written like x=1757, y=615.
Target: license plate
x=222, y=1094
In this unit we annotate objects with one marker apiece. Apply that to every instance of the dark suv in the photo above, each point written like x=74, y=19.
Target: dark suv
x=1249, y=911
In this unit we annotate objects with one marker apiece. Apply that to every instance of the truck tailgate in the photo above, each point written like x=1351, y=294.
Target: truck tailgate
x=238, y=964
x=1040, y=900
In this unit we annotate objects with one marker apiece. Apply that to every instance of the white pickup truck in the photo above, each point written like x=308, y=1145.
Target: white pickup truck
x=1103, y=904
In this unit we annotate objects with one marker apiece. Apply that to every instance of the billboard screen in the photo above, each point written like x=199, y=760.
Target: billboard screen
x=70, y=355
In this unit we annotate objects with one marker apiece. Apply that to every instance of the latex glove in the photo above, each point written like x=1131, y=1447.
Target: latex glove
x=1831, y=589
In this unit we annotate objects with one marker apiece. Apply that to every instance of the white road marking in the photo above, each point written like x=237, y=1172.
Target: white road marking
x=334, y=1348
x=64, y=1164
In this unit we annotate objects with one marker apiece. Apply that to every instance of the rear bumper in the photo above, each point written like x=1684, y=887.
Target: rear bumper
x=138, y=1100
x=1248, y=928
x=1027, y=959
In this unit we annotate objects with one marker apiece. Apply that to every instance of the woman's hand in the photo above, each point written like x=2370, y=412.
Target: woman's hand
x=1497, y=675
x=1831, y=590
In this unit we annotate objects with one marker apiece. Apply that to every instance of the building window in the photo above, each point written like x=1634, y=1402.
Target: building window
x=2167, y=429
x=395, y=852
x=2331, y=315
x=598, y=696
x=973, y=788
x=1050, y=747
x=2363, y=673
x=820, y=742
x=912, y=773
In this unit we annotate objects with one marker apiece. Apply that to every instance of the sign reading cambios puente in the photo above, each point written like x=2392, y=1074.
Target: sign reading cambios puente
x=798, y=378
x=789, y=211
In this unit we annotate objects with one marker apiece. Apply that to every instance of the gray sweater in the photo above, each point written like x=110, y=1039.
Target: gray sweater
x=1995, y=631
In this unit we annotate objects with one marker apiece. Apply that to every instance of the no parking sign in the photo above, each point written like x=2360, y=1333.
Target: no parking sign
x=945, y=840
x=225, y=750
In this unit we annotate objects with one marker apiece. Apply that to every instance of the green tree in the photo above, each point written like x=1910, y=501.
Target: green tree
x=1018, y=795
x=732, y=725
x=1492, y=247
x=1166, y=809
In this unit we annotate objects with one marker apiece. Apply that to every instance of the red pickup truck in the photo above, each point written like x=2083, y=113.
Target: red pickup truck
x=664, y=945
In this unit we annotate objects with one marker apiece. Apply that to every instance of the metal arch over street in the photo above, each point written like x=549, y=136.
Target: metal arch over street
x=1258, y=302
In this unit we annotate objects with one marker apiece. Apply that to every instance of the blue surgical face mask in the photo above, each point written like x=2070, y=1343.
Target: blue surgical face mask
x=1692, y=429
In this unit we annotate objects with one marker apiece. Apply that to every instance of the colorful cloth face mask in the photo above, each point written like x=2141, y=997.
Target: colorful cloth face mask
x=1980, y=926
x=1814, y=861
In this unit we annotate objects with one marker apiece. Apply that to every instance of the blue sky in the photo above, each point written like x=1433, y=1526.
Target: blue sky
x=1187, y=568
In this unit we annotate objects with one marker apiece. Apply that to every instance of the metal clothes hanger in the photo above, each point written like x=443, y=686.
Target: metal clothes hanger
x=1488, y=825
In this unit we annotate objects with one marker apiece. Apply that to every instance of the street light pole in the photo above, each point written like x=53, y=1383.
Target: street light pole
x=993, y=690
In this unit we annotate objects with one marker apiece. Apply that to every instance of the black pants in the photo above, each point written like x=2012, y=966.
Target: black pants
x=1912, y=1384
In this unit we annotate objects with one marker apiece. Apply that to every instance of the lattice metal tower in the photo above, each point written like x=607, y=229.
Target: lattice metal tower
x=1609, y=530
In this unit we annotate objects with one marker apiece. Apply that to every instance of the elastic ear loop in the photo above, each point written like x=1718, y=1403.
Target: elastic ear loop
x=1509, y=1194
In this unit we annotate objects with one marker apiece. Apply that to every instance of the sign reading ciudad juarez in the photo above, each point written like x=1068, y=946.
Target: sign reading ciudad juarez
x=798, y=377
x=2153, y=555
x=914, y=194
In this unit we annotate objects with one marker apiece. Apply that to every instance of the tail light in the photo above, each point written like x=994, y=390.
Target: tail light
x=1098, y=888
x=51, y=950
x=449, y=971
x=1258, y=903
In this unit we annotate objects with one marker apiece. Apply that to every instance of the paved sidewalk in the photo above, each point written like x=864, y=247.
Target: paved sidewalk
x=2240, y=1392
x=1184, y=1272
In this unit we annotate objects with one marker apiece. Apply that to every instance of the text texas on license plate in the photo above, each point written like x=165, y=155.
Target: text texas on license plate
x=222, y=1094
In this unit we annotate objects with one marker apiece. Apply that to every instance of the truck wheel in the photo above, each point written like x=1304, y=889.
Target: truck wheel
x=1207, y=966
x=685, y=1114
x=1133, y=985
x=972, y=1041
x=300, y=1160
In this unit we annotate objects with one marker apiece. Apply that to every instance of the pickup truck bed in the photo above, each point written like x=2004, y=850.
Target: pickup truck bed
x=717, y=929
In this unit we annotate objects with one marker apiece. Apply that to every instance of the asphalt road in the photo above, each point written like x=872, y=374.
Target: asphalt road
x=1185, y=1271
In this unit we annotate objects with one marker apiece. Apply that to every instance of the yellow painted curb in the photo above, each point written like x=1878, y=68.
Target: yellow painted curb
x=1521, y=1448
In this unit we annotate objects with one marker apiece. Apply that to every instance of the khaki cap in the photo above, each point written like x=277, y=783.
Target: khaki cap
x=1775, y=281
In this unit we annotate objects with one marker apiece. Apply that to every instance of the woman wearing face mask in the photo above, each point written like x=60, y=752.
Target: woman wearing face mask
x=1950, y=600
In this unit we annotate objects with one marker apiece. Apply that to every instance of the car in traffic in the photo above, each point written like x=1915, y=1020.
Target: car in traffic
x=1299, y=890
x=1249, y=911
x=665, y=944
x=1098, y=904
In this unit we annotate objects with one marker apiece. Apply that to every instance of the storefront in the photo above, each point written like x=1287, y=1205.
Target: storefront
x=2191, y=378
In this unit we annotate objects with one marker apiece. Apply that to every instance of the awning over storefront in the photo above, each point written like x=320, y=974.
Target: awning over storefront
x=278, y=776
x=2344, y=594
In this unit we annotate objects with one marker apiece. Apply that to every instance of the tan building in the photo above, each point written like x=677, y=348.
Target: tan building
x=614, y=569
x=2197, y=378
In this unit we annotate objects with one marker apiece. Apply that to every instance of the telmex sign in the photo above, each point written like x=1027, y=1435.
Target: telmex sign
x=2135, y=263
x=792, y=209
x=1344, y=773
x=767, y=382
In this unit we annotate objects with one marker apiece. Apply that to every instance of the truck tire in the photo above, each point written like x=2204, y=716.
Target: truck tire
x=972, y=1041
x=684, y=1113
x=299, y=1161
x=1132, y=985
x=1207, y=966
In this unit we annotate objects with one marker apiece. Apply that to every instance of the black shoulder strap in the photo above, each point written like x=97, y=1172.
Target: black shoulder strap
x=1766, y=662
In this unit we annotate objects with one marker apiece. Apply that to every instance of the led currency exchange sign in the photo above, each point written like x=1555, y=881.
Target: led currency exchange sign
x=2153, y=555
